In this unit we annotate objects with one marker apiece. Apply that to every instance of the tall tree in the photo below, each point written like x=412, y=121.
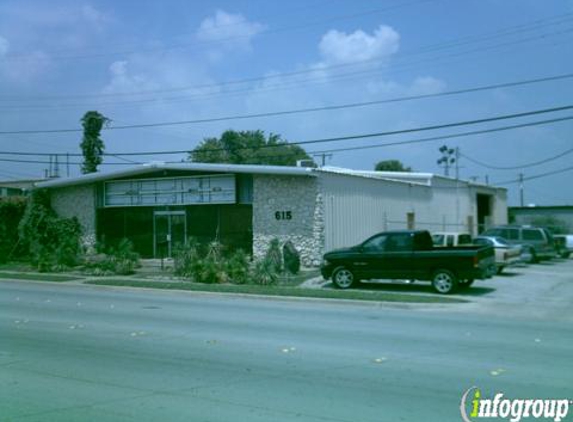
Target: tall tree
x=391, y=165
x=92, y=145
x=248, y=147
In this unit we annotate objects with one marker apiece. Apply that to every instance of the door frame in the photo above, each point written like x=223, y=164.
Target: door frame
x=168, y=214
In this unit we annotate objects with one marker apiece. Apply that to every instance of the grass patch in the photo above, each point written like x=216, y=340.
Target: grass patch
x=38, y=277
x=285, y=291
x=16, y=266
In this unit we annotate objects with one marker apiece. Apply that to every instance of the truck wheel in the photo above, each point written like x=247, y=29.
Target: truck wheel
x=444, y=282
x=343, y=278
x=465, y=284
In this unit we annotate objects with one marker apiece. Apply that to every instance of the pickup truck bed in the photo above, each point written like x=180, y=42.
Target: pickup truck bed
x=409, y=255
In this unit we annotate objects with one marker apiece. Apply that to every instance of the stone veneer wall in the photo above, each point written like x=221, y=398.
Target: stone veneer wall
x=79, y=202
x=301, y=196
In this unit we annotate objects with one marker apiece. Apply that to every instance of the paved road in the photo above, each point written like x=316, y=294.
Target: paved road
x=86, y=353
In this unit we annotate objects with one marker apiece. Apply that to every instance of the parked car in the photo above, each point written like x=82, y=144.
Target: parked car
x=408, y=255
x=563, y=244
x=506, y=255
x=537, y=243
x=451, y=239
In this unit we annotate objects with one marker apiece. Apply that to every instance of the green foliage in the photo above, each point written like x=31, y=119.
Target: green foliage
x=274, y=255
x=291, y=258
x=187, y=259
x=248, y=147
x=209, y=267
x=52, y=243
x=391, y=165
x=121, y=260
x=92, y=145
x=264, y=272
x=237, y=267
x=11, y=212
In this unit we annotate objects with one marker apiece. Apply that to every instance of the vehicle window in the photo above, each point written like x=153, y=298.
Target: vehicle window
x=399, y=242
x=493, y=232
x=512, y=234
x=376, y=244
x=438, y=239
x=464, y=239
x=481, y=242
x=450, y=240
x=501, y=241
x=532, y=234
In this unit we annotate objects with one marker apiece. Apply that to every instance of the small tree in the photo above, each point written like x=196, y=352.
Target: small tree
x=391, y=165
x=248, y=147
x=92, y=145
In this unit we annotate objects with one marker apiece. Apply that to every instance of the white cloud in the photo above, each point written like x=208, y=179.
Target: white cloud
x=234, y=28
x=4, y=46
x=340, y=47
x=122, y=81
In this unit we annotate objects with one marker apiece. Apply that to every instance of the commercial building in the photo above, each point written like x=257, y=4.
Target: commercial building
x=558, y=218
x=158, y=205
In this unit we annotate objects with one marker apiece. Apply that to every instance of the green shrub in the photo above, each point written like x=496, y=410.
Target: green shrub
x=237, y=267
x=291, y=258
x=274, y=256
x=187, y=259
x=11, y=213
x=51, y=242
x=264, y=272
x=121, y=260
x=210, y=265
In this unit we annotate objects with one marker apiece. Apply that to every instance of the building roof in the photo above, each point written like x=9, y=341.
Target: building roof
x=154, y=166
x=421, y=179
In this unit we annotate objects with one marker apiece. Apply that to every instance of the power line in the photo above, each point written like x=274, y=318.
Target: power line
x=536, y=176
x=286, y=112
x=450, y=136
x=431, y=48
x=412, y=97
x=522, y=166
x=187, y=46
x=310, y=153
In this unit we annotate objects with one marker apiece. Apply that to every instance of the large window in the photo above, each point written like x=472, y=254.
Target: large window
x=219, y=189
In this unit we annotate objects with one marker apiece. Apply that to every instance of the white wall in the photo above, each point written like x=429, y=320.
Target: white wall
x=357, y=207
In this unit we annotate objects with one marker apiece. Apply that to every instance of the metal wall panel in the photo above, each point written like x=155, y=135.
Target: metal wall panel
x=357, y=207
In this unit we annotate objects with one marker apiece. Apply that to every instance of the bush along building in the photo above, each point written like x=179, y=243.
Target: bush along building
x=158, y=206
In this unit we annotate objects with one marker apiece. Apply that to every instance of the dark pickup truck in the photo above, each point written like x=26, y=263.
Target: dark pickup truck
x=408, y=255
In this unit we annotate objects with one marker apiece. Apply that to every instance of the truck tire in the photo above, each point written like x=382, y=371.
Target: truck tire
x=465, y=284
x=444, y=281
x=343, y=278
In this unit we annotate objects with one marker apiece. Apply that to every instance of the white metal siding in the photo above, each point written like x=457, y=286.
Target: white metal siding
x=356, y=207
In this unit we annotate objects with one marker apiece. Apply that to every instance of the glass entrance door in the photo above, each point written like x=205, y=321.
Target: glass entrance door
x=169, y=230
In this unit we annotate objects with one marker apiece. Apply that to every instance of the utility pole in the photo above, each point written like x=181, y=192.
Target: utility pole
x=323, y=156
x=521, y=189
x=457, y=158
x=56, y=166
x=448, y=158
x=67, y=164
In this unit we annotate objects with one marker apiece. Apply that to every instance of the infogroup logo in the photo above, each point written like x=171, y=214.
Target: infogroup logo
x=474, y=406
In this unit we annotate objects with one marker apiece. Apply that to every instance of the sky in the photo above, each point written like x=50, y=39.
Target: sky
x=182, y=61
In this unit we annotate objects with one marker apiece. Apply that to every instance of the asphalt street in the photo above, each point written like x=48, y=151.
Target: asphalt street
x=87, y=353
